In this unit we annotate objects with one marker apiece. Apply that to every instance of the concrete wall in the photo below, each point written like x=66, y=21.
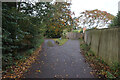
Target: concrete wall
x=105, y=43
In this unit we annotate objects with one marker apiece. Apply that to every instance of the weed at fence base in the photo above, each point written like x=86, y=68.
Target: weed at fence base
x=100, y=68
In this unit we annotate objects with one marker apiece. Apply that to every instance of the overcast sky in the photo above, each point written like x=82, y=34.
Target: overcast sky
x=111, y=6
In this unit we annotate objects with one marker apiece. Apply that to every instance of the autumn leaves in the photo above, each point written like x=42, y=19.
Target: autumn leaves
x=93, y=18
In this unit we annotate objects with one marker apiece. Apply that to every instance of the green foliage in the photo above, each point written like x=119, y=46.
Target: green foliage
x=109, y=75
x=18, y=57
x=59, y=20
x=81, y=31
x=78, y=31
x=116, y=21
x=75, y=31
x=64, y=33
x=116, y=68
x=91, y=53
x=85, y=47
x=39, y=42
x=21, y=32
x=7, y=60
x=29, y=52
x=52, y=34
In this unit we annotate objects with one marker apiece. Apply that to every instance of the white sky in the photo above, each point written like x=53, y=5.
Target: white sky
x=111, y=6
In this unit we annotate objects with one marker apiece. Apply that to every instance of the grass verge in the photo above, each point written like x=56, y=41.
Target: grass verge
x=100, y=68
x=60, y=42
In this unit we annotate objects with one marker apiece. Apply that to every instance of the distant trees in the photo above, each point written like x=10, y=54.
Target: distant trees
x=94, y=18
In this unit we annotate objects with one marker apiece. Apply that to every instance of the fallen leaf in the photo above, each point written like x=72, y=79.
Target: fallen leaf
x=38, y=71
x=66, y=75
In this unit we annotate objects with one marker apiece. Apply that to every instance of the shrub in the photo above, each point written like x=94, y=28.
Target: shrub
x=81, y=31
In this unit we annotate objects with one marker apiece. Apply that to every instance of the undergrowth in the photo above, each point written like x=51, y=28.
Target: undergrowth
x=10, y=61
x=100, y=68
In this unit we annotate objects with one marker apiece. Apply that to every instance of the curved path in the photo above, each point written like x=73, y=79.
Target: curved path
x=60, y=61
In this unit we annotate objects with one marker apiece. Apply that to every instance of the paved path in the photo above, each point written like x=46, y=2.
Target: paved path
x=60, y=61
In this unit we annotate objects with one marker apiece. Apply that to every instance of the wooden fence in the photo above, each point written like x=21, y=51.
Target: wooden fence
x=74, y=35
x=105, y=43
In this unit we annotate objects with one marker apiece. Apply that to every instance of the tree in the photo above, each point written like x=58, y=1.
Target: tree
x=21, y=31
x=58, y=21
x=116, y=21
x=75, y=23
x=94, y=18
